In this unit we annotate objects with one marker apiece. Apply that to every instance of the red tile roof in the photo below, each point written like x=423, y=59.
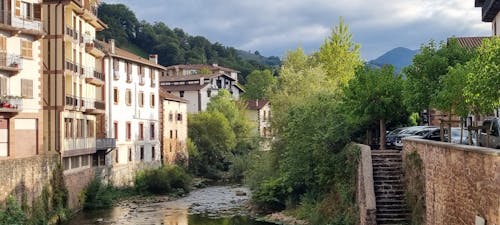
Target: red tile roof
x=469, y=42
x=165, y=95
x=256, y=104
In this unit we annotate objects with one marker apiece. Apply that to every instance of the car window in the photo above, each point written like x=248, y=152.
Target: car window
x=487, y=124
x=494, y=128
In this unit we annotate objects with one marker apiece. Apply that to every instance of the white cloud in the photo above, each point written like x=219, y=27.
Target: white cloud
x=272, y=27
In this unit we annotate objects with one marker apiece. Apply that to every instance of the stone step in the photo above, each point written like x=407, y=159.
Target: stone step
x=392, y=215
x=399, y=221
x=386, y=177
x=390, y=198
x=389, y=192
x=391, y=207
x=393, y=210
x=385, y=151
x=388, y=201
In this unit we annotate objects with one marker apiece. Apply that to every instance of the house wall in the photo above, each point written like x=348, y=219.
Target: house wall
x=461, y=182
x=495, y=25
x=174, y=145
x=126, y=157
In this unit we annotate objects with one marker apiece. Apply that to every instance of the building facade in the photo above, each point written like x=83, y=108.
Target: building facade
x=191, y=83
x=174, y=129
x=490, y=13
x=72, y=87
x=132, y=112
x=21, y=116
x=259, y=113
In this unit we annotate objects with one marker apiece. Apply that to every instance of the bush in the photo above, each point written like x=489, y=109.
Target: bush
x=270, y=195
x=164, y=180
x=97, y=196
x=13, y=214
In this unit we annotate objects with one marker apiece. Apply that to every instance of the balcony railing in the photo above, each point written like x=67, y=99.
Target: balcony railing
x=94, y=107
x=94, y=77
x=116, y=74
x=10, y=62
x=105, y=143
x=11, y=104
x=72, y=33
x=73, y=101
x=22, y=22
x=74, y=67
x=141, y=80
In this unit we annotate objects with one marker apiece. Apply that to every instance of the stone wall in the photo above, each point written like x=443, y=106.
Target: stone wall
x=76, y=181
x=26, y=176
x=461, y=182
x=365, y=189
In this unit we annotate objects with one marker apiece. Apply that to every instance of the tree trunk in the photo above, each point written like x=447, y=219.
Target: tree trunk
x=382, y=134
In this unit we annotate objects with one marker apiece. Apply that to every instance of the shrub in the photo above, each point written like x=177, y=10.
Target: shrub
x=97, y=195
x=13, y=214
x=164, y=180
x=270, y=195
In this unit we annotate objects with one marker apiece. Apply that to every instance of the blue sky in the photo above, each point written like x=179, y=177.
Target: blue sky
x=274, y=26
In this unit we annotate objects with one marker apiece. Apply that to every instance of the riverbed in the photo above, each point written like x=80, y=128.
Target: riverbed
x=206, y=206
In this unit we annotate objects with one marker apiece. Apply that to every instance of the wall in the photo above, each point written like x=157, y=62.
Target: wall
x=172, y=146
x=461, y=182
x=365, y=197
x=27, y=175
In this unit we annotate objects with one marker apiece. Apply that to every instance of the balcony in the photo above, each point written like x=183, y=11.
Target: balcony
x=73, y=102
x=72, y=67
x=95, y=107
x=70, y=35
x=92, y=48
x=105, y=143
x=11, y=104
x=25, y=25
x=94, y=77
x=129, y=78
x=116, y=74
x=10, y=63
x=141, y=80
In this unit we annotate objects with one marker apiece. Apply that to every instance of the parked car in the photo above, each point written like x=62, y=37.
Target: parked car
x=455, y=136
x=415, y=132
x=491, y=127
x=390, y=138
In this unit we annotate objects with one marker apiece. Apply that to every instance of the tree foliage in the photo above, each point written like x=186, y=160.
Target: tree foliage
x=259, y=84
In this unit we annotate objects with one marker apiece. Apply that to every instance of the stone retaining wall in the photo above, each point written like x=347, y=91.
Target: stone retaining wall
x=365, y=189
x=461, y=182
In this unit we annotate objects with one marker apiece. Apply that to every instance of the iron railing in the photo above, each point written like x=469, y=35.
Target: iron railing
x=11, y=60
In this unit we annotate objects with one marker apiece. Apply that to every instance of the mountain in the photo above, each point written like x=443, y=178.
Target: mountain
x=399, y=57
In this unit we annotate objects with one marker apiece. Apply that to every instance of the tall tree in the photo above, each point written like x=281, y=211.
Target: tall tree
x=259, y=84
x=375, y=95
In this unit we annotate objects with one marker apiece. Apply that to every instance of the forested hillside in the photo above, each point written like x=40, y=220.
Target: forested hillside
x=173, y=46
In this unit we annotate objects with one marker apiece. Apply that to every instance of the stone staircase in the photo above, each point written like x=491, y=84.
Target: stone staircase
x=389, y=189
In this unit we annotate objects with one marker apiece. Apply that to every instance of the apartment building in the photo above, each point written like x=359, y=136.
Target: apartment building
x=132, y=112
x=173, y=112
x=72, y=87
x=259, y=113
x=21, y=30
x=198, y=83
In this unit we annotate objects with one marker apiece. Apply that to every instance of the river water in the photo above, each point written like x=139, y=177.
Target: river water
x=222, y=205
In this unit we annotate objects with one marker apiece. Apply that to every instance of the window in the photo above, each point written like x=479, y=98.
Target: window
x=152, y=78
x=115, y=95
x=128, y=131
x=3, y=44
x=171, y=134
x=170, y=116
x=85, y=160
x=117, y=158
x=115, y=128
x=176, y=134
x=152, y=131
x=24, y=10
x=116, y=69
x=128, y=97
x=181, y=94
x=129, y=72
x=209, y=93
x=141, y=131
x=141, y=99
x=179, y=116
x=26, y=49
x=78, y=128
x=153, y=153
x=142, y=153
x=3, y=86
x=75, y=162
x=90, y=128
x=152, y=100
x=68, y=127
x=130, y=154
x=66, y=163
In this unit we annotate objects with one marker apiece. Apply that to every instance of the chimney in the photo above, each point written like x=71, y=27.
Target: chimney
x=257, y=103
x=153, y=58
x=112, y=48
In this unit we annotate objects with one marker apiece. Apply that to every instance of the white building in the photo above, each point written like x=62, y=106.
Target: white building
x=185, y=81
x=132, y=112
x=490, y=13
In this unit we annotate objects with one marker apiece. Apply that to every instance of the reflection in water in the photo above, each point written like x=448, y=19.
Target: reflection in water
x=176, y=217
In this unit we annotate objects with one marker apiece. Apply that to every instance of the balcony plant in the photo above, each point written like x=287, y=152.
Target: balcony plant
x=6, y=101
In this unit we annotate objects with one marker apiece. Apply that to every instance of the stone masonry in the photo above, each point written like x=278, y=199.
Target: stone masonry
x=461, y=182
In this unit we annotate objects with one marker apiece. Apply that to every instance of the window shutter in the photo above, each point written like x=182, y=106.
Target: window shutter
x=26, y=88
x=3, y=86
x=18, y=8
x=115, y=64
x=3, y=44
x=37, y=8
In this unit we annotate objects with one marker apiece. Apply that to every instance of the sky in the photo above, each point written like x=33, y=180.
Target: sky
x=273, y=27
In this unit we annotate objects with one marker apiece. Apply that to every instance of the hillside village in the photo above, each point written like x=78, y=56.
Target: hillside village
x=75, y=109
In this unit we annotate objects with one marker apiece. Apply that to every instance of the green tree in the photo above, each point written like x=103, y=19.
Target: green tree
x=483, y=78
x=259, y=84
x=451, y=97
x=339, y=55
x=375, y=95
x=428, y=67
x=212, y=134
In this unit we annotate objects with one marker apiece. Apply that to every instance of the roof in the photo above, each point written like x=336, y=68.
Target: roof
x=165, y=95
x=202, y=66
x=193, y=77
x=123, y=54
x=469, y=42
x=256, y=104
x=239, y=87
x=186, y=87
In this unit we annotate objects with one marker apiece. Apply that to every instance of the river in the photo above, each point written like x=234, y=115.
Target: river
x=221, y=205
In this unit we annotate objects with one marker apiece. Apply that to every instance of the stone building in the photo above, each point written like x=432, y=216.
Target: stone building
x=259, y=113
x=174, y=129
